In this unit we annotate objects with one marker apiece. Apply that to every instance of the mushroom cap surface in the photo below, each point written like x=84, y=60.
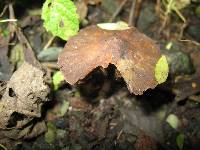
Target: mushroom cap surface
x=134, y=54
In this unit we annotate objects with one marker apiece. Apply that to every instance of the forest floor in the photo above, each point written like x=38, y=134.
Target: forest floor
x=100, y=113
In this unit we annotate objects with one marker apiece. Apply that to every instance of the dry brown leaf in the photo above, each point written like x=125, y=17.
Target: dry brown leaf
x=20, y=105
x=134, y=54
x=82, y=9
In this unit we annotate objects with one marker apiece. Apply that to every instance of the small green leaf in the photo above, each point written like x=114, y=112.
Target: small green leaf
x=60, y=18
x=64, y=107
x=161, y=70
x=50, y=135
x=180, y=141
x=197, y=11
x=169, y=45
x=57, y=79
x=173, y=121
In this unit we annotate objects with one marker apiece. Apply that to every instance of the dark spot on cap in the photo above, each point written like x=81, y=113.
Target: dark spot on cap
x=61, y=24
x=49, y=5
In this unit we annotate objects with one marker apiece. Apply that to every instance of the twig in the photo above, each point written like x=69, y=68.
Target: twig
x=195, y=98
x=119, y=134
x=4, y=10
x=8, y=20
x=50, y=65
x=164, y=23
x=117, y=11
x=49, y=43
x=194, y=42
x=131, y=20
x=29, y=55
x=11, y=25
x=182, y=29
x=158, y=7
x=28, y=52
x=137, y=10
x=3, y=147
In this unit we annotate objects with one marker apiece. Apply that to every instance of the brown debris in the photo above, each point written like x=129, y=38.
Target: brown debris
x=185, y=87
x=92, y=2
x=82, y=9
x=145, y=142
x=5, y=67
x=134, y=54
x=21, y=103
x=29, y=55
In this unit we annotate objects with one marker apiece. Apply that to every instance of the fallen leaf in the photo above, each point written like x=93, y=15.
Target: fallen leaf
x=180, y=141
x=82, y=9
x=5, y=67
x=22, y=102
x=173, y=121
x=134, y=54
x=57, y=79
x=50, y=135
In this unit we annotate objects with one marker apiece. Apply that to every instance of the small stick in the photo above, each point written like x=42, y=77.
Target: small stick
x=195, y=98
x=8, y=20
x=4, y=10
x=50, y=65
x=191, y=41
x=131, y=20
x=158, y=7
x=182, y=29
x=49, y=43
x=11, y=24
x=119, y=134
x=29, y=55
x=117, y=11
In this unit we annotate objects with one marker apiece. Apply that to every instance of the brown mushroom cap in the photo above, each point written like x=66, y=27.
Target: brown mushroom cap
x=134, y=54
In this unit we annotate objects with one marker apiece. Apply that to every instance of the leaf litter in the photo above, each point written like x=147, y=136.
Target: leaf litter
x=117, y=120
x=22, y=102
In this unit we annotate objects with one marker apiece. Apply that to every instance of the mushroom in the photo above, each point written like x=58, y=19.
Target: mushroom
x=136, y=57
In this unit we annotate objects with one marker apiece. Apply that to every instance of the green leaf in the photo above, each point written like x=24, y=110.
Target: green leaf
x=57, y=79
x=64, y=107
x=161, y=70
x=60, y=18
x=173, y=121
x=180, y=141
x=50, y=135
x=197, y=11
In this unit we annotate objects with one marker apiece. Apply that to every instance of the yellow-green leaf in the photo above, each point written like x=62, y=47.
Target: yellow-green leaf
x=173, y=121
x=180, y=141
x=60, y=18
x=161, y=70
x=50, y=135
x=57, y=79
